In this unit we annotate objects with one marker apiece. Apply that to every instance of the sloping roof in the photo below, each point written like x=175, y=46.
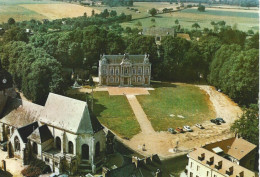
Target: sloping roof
x=235, y=147
x=69, y=114
x=19, y=113
x=41, y=134
x=157, y=31
x=117, y=59
x=184, y=36
x=226, y=164
x=25, y=131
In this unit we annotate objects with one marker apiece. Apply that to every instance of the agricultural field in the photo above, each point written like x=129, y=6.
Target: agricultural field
x=113, y=112
x=244, y=19
x=173, y=105
x=38, y=10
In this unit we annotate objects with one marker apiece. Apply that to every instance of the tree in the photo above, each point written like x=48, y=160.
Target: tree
x=113, y=13
x=195, y=25
x=201, y=8
x=92, y=12
x=11, y=21
x=153, y=20
x=247, y=125
x=153, y=12
x=176, y=21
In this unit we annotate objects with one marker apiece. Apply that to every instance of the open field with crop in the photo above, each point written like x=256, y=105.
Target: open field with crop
x=114, y=112
x=45, y=9
x=56, y=11
x=167, y=101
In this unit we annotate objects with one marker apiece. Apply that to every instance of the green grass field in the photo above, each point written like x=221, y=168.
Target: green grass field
x=114, y=112
x=177, y=99
x=243, y=20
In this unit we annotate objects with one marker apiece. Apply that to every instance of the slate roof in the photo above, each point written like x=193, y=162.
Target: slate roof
x=157, y=31
x=69, y=114
x=117, y=59
x=19, y=113
x=235, y=147
x=25, y=131
x=226, y=164
x=41, y=134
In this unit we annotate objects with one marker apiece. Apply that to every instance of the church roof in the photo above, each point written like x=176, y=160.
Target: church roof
x=19, y=113
x=41, y=134
x=69, y=114
x=117, y=59
x=25, y=131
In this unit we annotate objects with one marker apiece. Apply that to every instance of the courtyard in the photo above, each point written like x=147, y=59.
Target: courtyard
x=142, y=116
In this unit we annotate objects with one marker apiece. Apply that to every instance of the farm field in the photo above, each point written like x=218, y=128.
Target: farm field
x=38, y=10
x=244, y=20
x=167, y=101
x=114, y=112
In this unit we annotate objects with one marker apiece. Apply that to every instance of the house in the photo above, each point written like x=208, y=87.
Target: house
x=236, y=150
x=63, y=133
x=158, y=33
x=221, y=159
x=124, y=70
x=148, y=167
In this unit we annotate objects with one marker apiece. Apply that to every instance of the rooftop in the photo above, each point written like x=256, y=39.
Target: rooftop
x=235, y=147
x=117, y=59
x=69, y=114
x=41, y=134
x=226, y=165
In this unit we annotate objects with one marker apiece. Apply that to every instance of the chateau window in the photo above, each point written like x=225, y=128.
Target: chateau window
x=104, y=71
x=126, y=71
x=133, y=79
x=117, y=79
x=207, y=173
x=133, y=70
x=191, y=164
x=47, y=159
x=111, y=79
x=112, y=71
x=198, y=168
x=16, y=144
x=147, y=71
x=139, y=70
x=139, y=79
x=117, y=71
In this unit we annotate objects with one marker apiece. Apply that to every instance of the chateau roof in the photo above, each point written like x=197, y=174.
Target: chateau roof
x=41, y=134
x=117, y=59
x=235, y=147
x=25, y=131
x=19, y=113
x=157, y=31
x=226, y=164
x=69, y=114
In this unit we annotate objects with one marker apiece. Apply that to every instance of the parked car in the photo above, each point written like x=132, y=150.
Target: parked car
x=180, y=130
x=215, y=121
x=187, y=128
x=172, y=131
x=221, y=120
x=199, y=126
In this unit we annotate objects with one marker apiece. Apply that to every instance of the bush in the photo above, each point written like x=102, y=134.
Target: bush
x=31, y=171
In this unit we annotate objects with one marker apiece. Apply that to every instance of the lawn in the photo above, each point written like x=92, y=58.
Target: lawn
x=176, y=99
x=113, y=112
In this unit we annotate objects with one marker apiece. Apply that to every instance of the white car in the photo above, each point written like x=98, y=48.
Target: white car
x=187, y=128
x=199, y=126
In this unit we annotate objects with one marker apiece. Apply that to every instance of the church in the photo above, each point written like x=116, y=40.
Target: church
x=124, y=70
x=63, y=133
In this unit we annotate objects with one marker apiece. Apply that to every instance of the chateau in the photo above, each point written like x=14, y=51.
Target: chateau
x=124, y=70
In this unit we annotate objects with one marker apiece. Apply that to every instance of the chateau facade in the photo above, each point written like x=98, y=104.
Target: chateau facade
x=124, y=70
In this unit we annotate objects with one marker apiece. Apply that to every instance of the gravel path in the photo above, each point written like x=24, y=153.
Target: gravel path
x=140, y=115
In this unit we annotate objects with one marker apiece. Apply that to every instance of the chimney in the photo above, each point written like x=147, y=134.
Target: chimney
x=219, y=165
x=135, y=161
x=158, y=173
x=105, y=172
x=201, y=157
x=230, y=171
x=210, y=161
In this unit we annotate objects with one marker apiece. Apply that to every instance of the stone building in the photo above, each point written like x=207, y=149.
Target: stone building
x=124, y=70
x=217, y=159
x=63, y=133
